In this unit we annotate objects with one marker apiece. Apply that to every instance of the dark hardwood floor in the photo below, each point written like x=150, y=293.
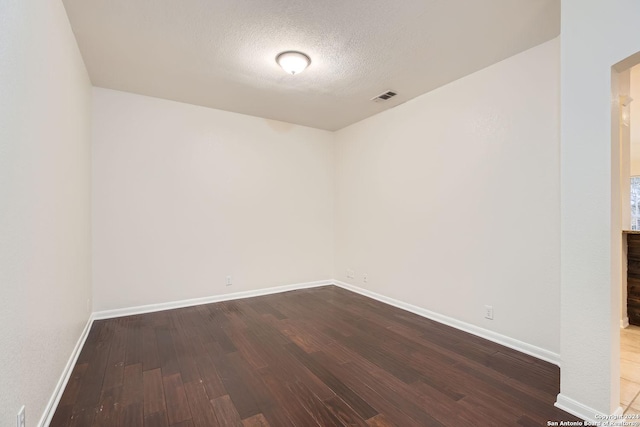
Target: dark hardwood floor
x=317, y=357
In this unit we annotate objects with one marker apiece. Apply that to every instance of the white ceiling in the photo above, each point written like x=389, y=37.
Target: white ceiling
x=221, y=53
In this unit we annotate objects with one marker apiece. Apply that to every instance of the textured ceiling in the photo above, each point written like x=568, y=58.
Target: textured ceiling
x=221, y=53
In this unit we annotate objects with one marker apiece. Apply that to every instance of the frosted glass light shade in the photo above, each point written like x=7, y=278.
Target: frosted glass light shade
x=293, y=62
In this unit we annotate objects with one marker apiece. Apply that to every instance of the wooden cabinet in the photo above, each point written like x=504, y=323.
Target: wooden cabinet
x=633, y=278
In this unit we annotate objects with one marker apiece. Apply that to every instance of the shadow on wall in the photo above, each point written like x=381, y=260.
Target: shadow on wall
x=280, y=127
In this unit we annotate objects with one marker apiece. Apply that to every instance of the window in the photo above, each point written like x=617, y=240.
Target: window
x=635, y=202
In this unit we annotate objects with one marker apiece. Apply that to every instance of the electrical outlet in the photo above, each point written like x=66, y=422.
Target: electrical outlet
x=488, y=312
x=365, y=278
x=350, y=274
x=20, y=421
x=229, y=281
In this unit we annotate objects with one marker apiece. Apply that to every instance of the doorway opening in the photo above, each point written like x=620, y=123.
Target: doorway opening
x=626, y=138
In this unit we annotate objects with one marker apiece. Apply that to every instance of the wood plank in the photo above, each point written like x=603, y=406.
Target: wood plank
x=166, y=351
x=380, y=421
x=239, y=393
x=318, y=411
x=344, y=412
x=62, y=416
x=108, y=409
x=134, y=339
x=383, y=390
x=290, y=405
x=283, y=363
x=202, y=413
x=185, y=352
x=267, y=402
x=158, y=419
x=226, y=412
x=150, y=357
x=246, y=348
x=362, y=408
x=132, y=415
x=95, y=335
x=256, y=421
x=115, y=366
x=176, y=399
x=153, y=392
x=73, y=385
x=86, y=405
x=133, y=386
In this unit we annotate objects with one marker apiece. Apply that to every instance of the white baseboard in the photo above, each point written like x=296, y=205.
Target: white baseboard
x=50, y=409
x=515, y=344
x=521, y=346
x=129, y=311
x=582, y=411
x=624, y=323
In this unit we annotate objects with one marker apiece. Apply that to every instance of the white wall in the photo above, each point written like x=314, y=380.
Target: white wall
x=635, y=120
x=451, y=201
x=44, y=202
x=185, y=195
x=595, y=35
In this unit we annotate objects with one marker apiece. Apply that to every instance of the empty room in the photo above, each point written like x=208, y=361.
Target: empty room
x=317, y=213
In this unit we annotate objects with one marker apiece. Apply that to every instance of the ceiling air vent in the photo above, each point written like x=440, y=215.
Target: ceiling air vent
x=384, y=96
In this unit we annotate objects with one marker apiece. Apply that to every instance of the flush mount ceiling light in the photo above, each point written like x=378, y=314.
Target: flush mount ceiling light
x=293, y=62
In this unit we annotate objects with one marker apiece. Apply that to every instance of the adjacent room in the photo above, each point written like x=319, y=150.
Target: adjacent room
x=629, y=83
x=299, y=213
